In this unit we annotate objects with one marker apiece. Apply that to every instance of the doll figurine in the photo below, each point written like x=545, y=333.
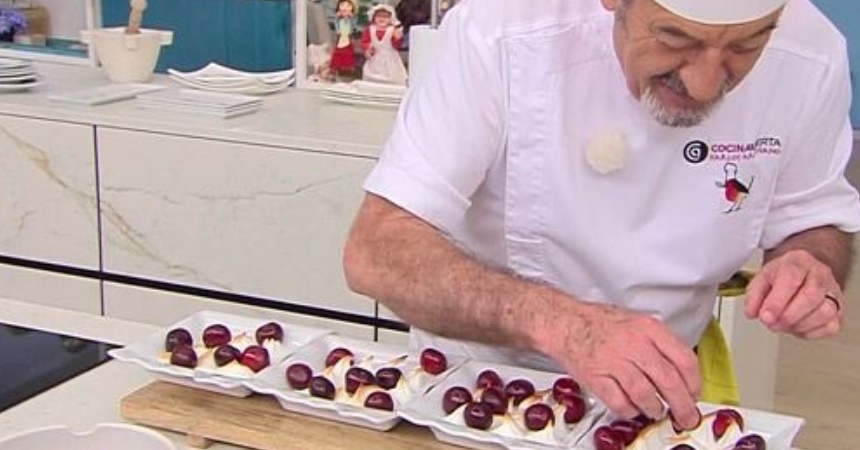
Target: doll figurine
x=381, y=40
x=343, y=56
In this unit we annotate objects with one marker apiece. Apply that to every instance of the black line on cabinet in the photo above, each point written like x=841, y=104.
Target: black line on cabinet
x=99, y=217
x=278, y=305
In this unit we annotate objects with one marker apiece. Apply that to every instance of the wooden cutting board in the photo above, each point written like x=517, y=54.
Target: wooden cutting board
x=258, y=422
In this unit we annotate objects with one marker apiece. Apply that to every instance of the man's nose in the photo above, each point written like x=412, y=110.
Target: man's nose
x=705, y=75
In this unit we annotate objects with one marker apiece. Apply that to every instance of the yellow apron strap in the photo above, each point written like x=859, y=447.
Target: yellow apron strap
x=719, y=384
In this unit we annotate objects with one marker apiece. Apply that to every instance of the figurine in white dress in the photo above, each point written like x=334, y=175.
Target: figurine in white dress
x=381, y=40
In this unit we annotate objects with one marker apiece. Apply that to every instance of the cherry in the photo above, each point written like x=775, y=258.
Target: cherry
x=750, y=442
x=724, y=418
x=642, y=420
x=322, y=387
x=519, y=390
x=225, y=354
x=627, y=429
x=255, y=357
x=496, y=399
x=335, y=355
x=433, y=361
x=215, y=335
x=379, y=400
x=538, y=416
x=489, y=378
x=177, y=337
x=455, y=397
x=478, y=415
x=388, y=377
x=299, y=376
x=574, y=407
x=605, y=438
x=357, y=376
x=564, y=386
x=268, y=331
x=184, y=356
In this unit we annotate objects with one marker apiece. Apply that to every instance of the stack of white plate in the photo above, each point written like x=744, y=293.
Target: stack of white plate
x=365, y=93
x=200, y=103
x=17, y=75
x=217, y=78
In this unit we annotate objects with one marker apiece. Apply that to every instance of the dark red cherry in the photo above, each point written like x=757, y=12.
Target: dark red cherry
x=433, y=361
x=335, y=355
x=357, y=376
x=322, y=387
x=478, y=415
x=379, y=400
x=496, y=399
x=519, y=390
x=489, y=378
x=455, y=397
x=538, y=416
x=271, y=330
x=255, y=357
x=751, y=442
x=177, y=337
x=299, y=376
x=225, y=354
x=184, y=356
x=388, y=377
x=565, y=386
x=575, y=407
x=627, y=429
x=215, y=335
x=605, y=438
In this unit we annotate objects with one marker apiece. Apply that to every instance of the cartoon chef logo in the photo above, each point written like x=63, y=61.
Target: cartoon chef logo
x=734, y=190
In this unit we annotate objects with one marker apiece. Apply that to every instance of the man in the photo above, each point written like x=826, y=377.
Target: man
x=571, y=183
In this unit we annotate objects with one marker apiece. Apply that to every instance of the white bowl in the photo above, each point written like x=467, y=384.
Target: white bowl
x=127, y=58
x=104, y=436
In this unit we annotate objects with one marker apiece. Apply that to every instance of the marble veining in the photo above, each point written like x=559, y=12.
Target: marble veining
x=49, y=190
x=233, y=217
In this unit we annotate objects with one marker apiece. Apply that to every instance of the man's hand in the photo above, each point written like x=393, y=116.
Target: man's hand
x=632, y=362
x=790, y=294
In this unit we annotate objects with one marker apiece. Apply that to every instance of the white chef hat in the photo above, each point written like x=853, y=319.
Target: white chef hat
x=721, y=11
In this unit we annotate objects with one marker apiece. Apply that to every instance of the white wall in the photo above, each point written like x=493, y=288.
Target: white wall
x=68, y=17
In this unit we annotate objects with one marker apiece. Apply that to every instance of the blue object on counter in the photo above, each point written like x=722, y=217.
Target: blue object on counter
x=246, y=35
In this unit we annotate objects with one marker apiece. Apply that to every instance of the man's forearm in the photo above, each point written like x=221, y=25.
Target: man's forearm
x=827, y=244
x=428, y=282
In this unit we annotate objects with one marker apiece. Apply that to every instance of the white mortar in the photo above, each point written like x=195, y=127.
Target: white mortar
x=127, y=58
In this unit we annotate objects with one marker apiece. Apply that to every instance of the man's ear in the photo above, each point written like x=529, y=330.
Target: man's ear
x=610, y=5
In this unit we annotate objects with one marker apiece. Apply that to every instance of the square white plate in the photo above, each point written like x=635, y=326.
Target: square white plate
x=427, y=410
x=369, y=355
x=150, y=352
x=777, y=430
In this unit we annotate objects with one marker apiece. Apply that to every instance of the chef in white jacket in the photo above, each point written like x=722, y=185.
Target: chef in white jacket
x=569, y=184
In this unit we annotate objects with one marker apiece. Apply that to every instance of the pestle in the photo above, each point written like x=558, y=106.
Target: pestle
x=135, y=16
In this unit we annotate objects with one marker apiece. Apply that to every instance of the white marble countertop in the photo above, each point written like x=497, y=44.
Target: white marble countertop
x=293, y=118
x=87, y=399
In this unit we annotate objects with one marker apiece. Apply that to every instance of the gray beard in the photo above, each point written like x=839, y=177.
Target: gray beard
x=675, y=117
x=678, y=117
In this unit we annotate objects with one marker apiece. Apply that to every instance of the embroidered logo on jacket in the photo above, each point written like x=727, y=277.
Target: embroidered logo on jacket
x=698, y=151
x=734, y=190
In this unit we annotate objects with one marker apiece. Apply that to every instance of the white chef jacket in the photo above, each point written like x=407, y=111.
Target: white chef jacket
x=491, y=149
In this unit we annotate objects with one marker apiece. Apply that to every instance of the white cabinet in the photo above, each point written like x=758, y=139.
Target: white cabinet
x=48, y=210
x=50, y=289
x=162, y=308
x=259, y=221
